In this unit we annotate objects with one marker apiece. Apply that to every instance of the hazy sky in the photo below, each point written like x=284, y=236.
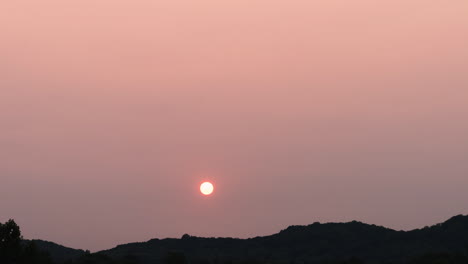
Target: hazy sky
x=112, y=113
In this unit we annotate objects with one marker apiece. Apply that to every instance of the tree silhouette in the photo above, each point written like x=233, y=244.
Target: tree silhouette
x=14, y=251
x=10, y=242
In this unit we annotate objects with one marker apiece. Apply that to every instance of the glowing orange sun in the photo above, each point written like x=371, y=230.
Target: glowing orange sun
x=206, y=188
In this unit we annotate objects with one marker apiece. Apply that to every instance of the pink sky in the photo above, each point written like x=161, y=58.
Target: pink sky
x=112, y=113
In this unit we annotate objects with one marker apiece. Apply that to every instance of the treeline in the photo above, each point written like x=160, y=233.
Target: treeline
x=15, y=250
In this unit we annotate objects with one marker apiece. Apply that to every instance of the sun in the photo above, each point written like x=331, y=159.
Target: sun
x=206, y=188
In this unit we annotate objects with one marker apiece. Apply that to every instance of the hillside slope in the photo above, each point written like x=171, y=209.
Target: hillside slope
x=314, y=243
x=57, y=252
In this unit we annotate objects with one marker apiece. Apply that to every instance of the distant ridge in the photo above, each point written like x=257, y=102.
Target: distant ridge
x=58, y=252
x=315, y=243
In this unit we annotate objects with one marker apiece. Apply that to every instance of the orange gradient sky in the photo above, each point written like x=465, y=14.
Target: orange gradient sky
x=113, y=112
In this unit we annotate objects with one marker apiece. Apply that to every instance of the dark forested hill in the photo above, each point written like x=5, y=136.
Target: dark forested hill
x=353, y=242
x=315, y=243
x=57, y=252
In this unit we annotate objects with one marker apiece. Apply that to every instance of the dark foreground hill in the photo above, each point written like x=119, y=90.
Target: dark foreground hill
x=58, y=253
x=354, y=242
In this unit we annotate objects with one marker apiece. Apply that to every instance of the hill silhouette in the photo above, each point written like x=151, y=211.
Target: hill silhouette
x=58, y=253
x=315, y=243
x=352, y=242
